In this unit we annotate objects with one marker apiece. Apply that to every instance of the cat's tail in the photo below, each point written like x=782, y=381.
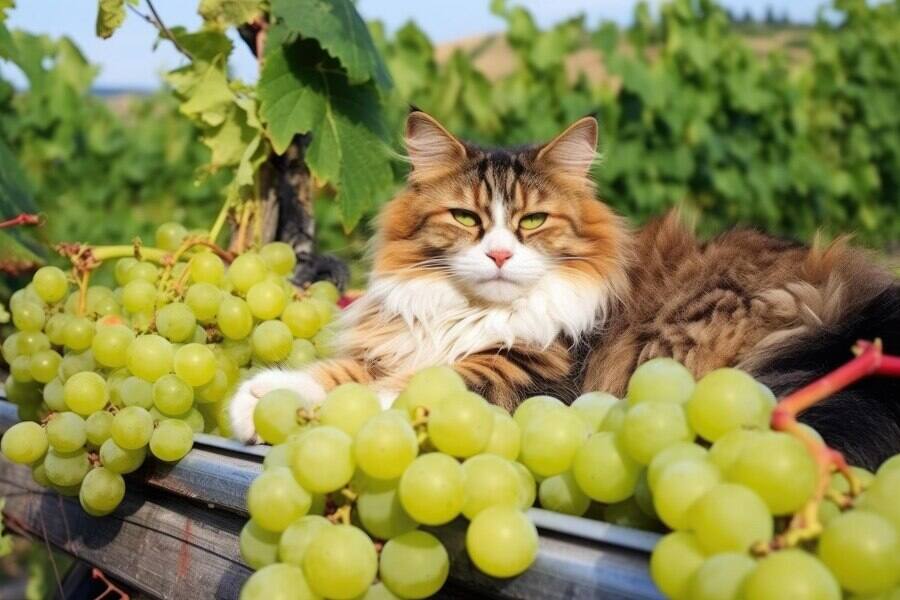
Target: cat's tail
x=863, y=421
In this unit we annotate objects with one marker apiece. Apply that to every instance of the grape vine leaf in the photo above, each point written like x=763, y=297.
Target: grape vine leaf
x=110, y=16
x=15, y=199
x=5, y=5
x=340, y=31
x=303, y=90
x=229, y=12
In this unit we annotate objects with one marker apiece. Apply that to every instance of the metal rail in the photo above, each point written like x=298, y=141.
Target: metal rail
x=176, y=534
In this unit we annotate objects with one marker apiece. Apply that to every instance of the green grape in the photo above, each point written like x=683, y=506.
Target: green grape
x=66, y=432
x=643, y=496
x=170, y=235
x=195, y=364
x=275, y=499
x=628, y=514
x=97, y=428
x=176, y=322
x=348, y=406
x=271, y=341
x=259, y=547
x=790, y=574
x=414, y=565
x=21, y=369
x=234, y=318
x=193, y=419
x=379, y=592
x=204, y=300
x=660, y=380
x=594, y=407
x=720, y=577
x=325, y=342
x=31, y=412
x=291, y=548
x=488, y=480
x=681, y=484
x=862, y=551
x=44, y=365
x=275, y=416
x=110, y=345
x=31, y=342
x=142, y=322
x=778, y=467
x=603, y=470
x=302, y=353
x=325, y=309
x=55, y=329
x=324, y=290
x=138, y=296
x=214, y=391
x=135, y=391
x=85, y=393
x=724, y=400
x=385, y=446
x=266, y=300
x=381, y=512
x=323, y=460
x=428, y=387
x=123, y=265
x=279, y=257
x=506, y=438
x=102, y=491
x=550, y=442
x=121, y=460
x=172, y=396
x=39, y=474
x=100, y=300
x=730, y=518
x=881, y=496
x=460, y=425
x=527, y=487
x=675, y=559
x=143, y=271
x=280, y=455
x=246, y=270
x=24, y=443
x=66, y=469
x=51, y=284
x=674, y=453
x=432, y=489
x=302, y=319
x=131, y=428
x=650, y=427
x=238, y=351
x=28, y=316
x=340, y=562
x=561, y=494
x=206, y=267
x=172, y=440
x=278, y=582
x=891, y=464
x=534, y=408
x=726, y=450
x=53, y=396
x=79, y=333
x=150, y=357
x=501, y=541
x=21, y=392
x=11, y=347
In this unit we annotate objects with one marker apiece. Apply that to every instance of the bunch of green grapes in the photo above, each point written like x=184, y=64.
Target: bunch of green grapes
x=352, y=475
x=102, y=376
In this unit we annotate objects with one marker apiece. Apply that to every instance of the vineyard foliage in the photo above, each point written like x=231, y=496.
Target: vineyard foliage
x=690, y=115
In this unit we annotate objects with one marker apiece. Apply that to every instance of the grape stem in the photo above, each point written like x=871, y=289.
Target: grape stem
x=23, y=219
x=341, y=515
x=805, y=524
x=111, y=588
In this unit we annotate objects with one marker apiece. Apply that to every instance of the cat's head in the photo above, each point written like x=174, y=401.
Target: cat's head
x=496, y=223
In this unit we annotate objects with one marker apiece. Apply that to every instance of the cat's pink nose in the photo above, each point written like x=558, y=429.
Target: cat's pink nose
x=499, y=257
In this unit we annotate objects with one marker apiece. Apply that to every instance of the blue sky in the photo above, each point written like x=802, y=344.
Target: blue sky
x=129, y=60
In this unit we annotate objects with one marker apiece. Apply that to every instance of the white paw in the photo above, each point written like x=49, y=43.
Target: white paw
x=244, y=401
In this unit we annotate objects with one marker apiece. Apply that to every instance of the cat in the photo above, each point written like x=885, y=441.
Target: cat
x=503, y=264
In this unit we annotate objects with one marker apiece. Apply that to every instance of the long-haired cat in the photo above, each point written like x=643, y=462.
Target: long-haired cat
x=504, y=265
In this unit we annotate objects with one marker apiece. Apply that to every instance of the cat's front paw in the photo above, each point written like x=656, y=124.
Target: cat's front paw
x=244, y=401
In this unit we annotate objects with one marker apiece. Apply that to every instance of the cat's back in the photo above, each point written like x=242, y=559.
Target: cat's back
x=724, y=301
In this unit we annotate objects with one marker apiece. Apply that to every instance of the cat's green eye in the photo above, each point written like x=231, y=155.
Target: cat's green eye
x=465, y=217
x=532, y=221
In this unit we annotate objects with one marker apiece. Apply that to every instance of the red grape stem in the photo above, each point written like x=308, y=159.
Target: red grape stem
x=111, y=588
x=805, y=524
x=23, y=219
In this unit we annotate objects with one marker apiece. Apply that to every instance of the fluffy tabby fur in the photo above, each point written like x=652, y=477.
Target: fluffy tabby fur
x=581, y=300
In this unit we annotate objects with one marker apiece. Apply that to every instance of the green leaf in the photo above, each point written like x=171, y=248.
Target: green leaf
x=229, y=12
x=110, y=16
x=204, y=46
x=303, y=90
x=340, y=30
x=5, y=5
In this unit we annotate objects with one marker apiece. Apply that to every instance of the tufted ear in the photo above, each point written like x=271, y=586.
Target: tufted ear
x=432, y=150
x=574, y=150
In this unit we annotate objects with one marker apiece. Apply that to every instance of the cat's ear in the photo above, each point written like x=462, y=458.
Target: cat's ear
x=432, y=149
x=574, y=150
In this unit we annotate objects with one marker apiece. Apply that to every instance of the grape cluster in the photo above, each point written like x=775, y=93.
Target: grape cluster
x=103, y=376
